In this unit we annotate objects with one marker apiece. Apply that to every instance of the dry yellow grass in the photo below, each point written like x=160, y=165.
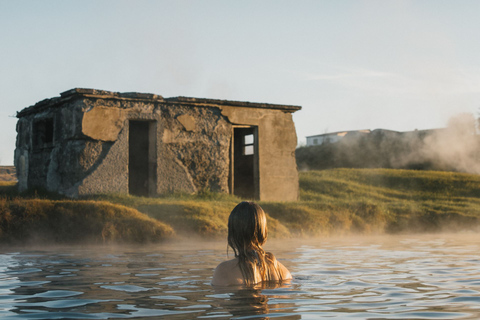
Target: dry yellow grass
x=333, y=202
x=33, y=220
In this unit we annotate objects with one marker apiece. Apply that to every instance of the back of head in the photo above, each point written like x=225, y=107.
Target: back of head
x=247, y=232
x=247, y=228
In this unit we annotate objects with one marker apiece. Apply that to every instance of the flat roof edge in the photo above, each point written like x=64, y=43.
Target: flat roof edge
x=103, y=94
x=234, y=103
x=110, y=94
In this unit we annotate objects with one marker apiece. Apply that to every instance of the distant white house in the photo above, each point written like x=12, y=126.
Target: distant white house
x=332, y=137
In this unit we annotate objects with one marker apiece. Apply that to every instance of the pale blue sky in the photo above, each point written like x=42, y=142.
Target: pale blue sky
x=351, y=64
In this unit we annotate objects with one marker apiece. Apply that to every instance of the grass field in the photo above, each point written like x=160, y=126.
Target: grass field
x=332, y=202
x=387, y=200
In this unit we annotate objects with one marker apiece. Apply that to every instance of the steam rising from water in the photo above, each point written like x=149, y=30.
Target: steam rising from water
x=457, y=146
x=454, y=148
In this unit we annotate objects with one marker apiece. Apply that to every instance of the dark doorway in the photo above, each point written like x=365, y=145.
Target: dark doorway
x=244, y=174
x=142, y=158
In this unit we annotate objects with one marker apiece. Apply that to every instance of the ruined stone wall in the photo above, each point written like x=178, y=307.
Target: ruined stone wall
x=277, y=140
x=195, y=144
x=192, y=146
x=60, y=164
x=89, y=151
x=21, y=158
x=106, y=122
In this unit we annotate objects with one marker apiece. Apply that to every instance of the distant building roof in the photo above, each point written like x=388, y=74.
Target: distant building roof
x=339, y=133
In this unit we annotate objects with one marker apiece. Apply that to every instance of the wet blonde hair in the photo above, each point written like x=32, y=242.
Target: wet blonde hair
x=247, y=232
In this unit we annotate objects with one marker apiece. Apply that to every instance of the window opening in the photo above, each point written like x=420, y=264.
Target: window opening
x=43, y=133
x=249, y=145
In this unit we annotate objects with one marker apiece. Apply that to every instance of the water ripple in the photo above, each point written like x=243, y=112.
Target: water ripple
x=408, y=278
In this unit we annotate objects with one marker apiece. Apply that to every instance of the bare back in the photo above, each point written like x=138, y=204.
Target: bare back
x=228, y=273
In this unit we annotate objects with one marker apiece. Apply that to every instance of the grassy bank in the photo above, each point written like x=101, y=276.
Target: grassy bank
x=332, y=202
x=386, y=200
x=36, y=221
x=28, y=219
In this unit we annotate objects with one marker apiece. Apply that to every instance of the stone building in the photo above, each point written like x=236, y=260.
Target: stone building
x=91, y=141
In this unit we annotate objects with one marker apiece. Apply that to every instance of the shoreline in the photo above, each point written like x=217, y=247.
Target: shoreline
x=333, y=203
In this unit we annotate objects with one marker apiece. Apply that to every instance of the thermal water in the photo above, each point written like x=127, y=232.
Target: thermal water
x=393, y=277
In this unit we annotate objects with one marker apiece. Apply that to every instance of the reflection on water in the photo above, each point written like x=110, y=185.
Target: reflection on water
x=401, y=277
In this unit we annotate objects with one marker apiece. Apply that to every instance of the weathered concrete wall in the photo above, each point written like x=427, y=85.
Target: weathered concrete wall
x=90, y=149
x=195, y=145
x=103, y=123
x=192, y=146
x=277, y=141
x=59, y=165
x=110, y=173
x=20, y=158
x=106, y=122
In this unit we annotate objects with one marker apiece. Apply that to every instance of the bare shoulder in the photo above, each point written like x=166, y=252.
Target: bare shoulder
x=227, y=273
x=282, y=270
x=286, y=275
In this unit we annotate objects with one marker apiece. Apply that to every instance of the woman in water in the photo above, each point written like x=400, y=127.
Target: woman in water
x=247, y=232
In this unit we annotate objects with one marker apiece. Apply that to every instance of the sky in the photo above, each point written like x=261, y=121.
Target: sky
x=350, y=64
